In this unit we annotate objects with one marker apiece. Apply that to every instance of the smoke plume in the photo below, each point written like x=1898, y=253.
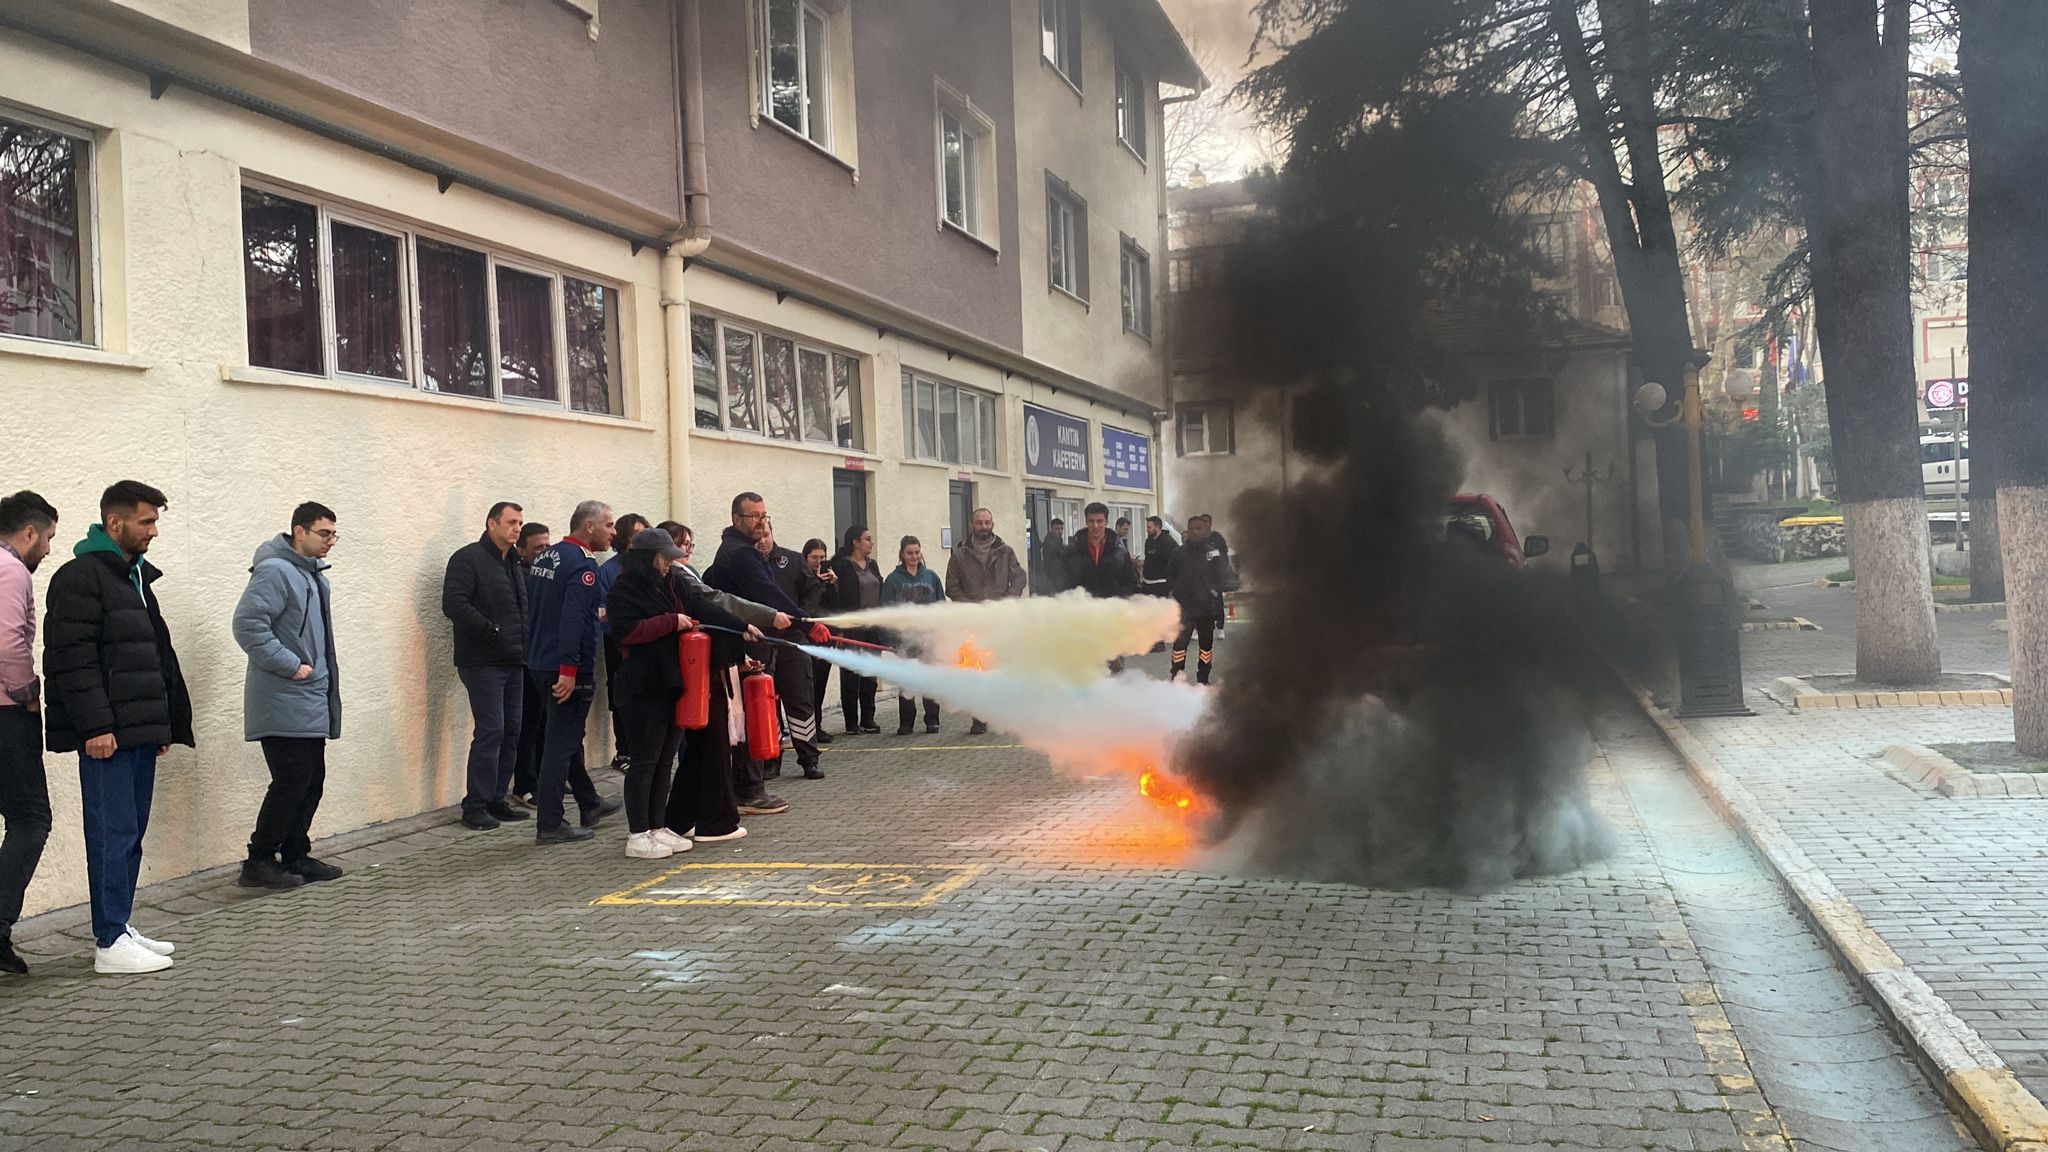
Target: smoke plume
x=1067, y=639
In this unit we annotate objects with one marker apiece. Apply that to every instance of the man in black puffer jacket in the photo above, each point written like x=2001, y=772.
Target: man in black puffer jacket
x=484, y=594
x=113, y=693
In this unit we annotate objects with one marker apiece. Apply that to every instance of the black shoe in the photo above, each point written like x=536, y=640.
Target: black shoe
x=867, y=728
x=10, y=960
x=904, y=729
x=563, y=834
x=977, y=729
x=311, y=870
x=268, y=874
x=620, y=761
x=605, y=808
x=824, y=737
x=505, y=813
x=931, y=725
x=483, y=820
x=813, y=772
x=774, y=773
x=763, y=805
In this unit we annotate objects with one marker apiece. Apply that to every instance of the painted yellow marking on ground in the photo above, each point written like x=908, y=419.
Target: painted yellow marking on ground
x=800, y=885
x=931, y=748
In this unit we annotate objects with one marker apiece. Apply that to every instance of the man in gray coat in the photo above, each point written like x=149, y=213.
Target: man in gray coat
x=983, y=568
x=291, y=696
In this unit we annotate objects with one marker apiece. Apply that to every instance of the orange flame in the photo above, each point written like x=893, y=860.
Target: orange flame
x=974, y=656
x=1166, y=792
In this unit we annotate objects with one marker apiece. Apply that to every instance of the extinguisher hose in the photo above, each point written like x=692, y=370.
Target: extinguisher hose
x=836, y=639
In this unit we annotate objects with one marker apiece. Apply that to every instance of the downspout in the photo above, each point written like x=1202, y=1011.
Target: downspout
x=694, y=199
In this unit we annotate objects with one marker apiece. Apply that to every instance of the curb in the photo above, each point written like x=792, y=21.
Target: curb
x=1796, y=692
x=1976, y=1084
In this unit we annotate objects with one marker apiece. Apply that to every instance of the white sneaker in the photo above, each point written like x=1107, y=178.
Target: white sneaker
x=127, y=958
x=674, y=842
x=159, y=947
x=735, y=834
x=643, y=846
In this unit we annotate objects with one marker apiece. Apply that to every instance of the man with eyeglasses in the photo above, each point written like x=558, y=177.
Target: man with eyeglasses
x=291, y=694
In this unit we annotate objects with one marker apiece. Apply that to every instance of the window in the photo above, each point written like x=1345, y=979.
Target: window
x=1525, y=409
x=391, y=305
x=747, y=380
x=281, y=251
x=1136, y=280
x=1131, y=109
x=1060, y=36
x=1066, y=238
x=1948, y=264
x=1207, y=429
x=46, y=277
x=794, y=80
x=949, y=423
x=967, y=171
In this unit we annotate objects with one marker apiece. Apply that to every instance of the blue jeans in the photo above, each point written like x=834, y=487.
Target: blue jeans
x=561, y=754
x=497, y=700
x=114, y=796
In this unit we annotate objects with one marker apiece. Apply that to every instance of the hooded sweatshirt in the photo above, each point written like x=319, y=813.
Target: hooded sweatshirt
x=284, y=620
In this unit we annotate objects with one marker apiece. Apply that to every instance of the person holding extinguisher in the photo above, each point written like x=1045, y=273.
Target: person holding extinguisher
x=646, y=614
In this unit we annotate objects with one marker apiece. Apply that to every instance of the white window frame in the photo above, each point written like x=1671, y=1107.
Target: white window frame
x=1073, y=228
x=987, y=409
x=1201, y=410
x=91, y=321
x=979, y=171
x=761, y=335
x=817, y=98
x=1067, y=39
x=1128, y=118
x=409, y=235
x=1131, y=255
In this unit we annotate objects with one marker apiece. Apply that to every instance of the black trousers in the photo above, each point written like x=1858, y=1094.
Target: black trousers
x=1206, y=629
x=792, y=672
x=701, y=798
x=906, y=711
x=857, y=699
x=821, y=672
x=650, y=739
x=497, y=698
x=298, y=777
x=24, y=804
x=533, y=735
x=561, y=760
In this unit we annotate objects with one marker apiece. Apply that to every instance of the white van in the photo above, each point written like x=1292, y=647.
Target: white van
x=1940, y=471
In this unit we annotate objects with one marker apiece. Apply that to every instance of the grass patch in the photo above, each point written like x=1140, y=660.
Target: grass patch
x=1940, y=581
x=1991, y=756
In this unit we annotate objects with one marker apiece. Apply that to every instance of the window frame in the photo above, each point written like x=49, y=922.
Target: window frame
x=987, y=407
x=1125, y=122
x=1058, y=191
x=1068, y=40
x=1132, y=254
x=1202, y=409
x=409, y=234
x=981, y=196
x=91, y=311
x=816, y=109
x=799, y=345
x=1497, y=391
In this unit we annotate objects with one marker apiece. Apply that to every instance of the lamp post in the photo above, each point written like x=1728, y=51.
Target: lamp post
x=1709, y=620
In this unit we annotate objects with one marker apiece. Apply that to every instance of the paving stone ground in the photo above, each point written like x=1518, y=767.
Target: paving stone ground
x=1958, y=887
x=1033, y=962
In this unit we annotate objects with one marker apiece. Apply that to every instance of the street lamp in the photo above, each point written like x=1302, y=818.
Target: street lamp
x=1709, y=619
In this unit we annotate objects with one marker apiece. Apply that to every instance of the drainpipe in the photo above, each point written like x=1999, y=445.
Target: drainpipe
x=694, y=198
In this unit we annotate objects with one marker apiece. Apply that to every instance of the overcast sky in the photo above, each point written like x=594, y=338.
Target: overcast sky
x=1221, y=33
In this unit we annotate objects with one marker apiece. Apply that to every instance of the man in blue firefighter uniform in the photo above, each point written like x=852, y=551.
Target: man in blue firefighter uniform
x=564, y=620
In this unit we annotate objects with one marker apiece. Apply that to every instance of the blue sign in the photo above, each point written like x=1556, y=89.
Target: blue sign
x=1055, y=445
x=1126, y=459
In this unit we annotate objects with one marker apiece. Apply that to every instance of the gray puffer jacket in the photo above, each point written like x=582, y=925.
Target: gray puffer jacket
x=283, y=621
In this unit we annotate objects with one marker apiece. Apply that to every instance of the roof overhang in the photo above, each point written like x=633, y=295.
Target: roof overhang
x=1146, y=31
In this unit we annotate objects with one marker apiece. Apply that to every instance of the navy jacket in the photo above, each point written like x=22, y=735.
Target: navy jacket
x=563, y=598
x=743, y=571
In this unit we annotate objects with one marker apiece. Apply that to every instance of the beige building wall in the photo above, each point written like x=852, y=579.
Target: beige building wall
x=1071, y=134
x=167, y=398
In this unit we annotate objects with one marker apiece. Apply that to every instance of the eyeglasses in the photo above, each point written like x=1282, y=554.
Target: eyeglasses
x=326, y=533
x=753, y=516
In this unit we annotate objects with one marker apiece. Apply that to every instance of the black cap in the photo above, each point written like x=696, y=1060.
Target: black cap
x=657, y=541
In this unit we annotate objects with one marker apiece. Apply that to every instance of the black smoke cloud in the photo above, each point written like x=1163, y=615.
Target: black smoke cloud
x=1402, y=712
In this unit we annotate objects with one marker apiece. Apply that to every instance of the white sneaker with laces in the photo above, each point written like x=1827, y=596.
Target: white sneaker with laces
x=127, y=958
x=160, y=947
x=674, y=842
x=735, y=834
x=643, y=846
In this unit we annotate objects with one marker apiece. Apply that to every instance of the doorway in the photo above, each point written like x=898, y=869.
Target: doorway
x=1037, y=515
x=849, y=504
x=960, y=505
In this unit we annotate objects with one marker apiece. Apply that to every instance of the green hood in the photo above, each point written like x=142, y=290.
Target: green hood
x=97, y=540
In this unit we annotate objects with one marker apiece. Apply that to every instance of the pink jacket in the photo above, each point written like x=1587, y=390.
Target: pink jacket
x=17, y=630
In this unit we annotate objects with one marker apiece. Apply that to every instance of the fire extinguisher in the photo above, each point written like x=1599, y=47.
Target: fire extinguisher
x=764, y=735
x=693, y=711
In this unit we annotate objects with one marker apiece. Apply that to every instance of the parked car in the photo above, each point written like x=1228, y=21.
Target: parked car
x=1480, y=519
x=1940, y=471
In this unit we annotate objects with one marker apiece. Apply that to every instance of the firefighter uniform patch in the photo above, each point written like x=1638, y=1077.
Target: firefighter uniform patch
x=589, y=578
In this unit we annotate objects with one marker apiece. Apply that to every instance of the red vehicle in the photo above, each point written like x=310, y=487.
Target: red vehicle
x=1479, y=519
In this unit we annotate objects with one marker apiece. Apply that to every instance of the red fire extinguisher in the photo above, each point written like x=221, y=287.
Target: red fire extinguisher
x=764, y=733
x=693, y=711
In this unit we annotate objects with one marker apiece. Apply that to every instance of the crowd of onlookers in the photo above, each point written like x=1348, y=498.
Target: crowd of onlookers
x=538, y=621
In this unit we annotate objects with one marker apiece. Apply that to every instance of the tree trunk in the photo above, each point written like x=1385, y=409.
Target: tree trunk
x=2003, y=45
x=1862, y=295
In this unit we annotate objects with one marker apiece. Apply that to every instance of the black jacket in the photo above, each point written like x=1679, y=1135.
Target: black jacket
x=1049, y=576
x=485, y=595
x=652, y=669
x=1158, y=554
x=108, y=665
x=844, y=596
x=797, y=581
x=743, y=571
x=1199, y=572
x=1111, y=576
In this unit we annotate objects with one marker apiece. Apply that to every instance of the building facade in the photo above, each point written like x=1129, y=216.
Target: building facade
x=410, y=259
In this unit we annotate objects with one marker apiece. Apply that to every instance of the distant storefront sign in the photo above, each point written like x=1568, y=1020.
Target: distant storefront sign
x=1943, y=395
x=1055, y=445
x=1126, y=459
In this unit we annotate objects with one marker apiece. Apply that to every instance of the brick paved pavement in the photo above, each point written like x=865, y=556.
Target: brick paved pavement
x=1090, y=988
x=1958, y=887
